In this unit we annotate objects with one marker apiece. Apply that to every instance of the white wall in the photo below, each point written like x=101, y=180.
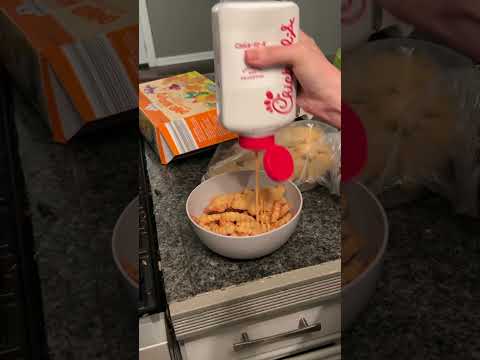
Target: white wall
x=142, y=39
x=183, y=27
x=180, y=26
x=321, y=20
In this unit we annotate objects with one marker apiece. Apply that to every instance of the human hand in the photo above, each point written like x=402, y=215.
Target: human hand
x=320, y=81
x=453, y=22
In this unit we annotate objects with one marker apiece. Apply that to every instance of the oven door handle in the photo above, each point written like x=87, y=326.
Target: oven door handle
x=303, y=328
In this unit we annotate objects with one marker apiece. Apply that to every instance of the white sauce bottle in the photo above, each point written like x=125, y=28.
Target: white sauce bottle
x=250, y=102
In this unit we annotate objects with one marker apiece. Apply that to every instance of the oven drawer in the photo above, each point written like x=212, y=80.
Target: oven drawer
x=152, y=338
x=333, y=352
x=273, y=338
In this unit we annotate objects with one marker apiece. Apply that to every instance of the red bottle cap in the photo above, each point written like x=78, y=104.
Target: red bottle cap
x=354, y=144
x=256, y=144
x=277, y=161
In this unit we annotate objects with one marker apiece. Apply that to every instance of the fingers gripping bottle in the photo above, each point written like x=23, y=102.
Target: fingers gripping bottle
x=251, y=102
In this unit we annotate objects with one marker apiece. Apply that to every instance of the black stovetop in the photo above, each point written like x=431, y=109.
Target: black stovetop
x=151, y=291
x=22, y=334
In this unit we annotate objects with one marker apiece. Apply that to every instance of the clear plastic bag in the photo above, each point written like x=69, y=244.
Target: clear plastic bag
x=460, y=181
x=420, y=108
x=315, y=147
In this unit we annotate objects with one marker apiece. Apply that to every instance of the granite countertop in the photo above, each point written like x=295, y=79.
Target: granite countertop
x=190, y=269
x=76, y=194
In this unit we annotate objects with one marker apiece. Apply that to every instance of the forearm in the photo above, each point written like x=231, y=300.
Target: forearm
x=462, y=34
x=455, y=22
x=334, y=111
x=324, y=99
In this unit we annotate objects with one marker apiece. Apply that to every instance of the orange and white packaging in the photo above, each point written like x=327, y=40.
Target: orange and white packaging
x=76, y=60
x=178, y=115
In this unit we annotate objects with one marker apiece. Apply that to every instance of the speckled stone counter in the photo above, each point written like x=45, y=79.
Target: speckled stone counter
x=76, y=194
x=189, y=268
x=427, y=301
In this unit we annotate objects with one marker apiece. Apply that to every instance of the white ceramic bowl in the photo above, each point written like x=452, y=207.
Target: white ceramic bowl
x=368, y=219
x=125, y=245
x=241, y=247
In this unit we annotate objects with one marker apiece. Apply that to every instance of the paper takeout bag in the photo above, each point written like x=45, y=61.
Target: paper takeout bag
x=76, y=60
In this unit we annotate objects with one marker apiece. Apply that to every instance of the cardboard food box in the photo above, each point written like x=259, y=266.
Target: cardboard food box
x=76, y=60
x=178, y=115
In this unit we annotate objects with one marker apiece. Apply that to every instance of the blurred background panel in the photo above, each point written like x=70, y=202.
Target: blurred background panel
x=176, y=32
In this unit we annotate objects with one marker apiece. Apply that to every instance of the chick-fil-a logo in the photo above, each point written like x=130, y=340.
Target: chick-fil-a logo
x=282, y=103
x=289, y=33
x=250, y=45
